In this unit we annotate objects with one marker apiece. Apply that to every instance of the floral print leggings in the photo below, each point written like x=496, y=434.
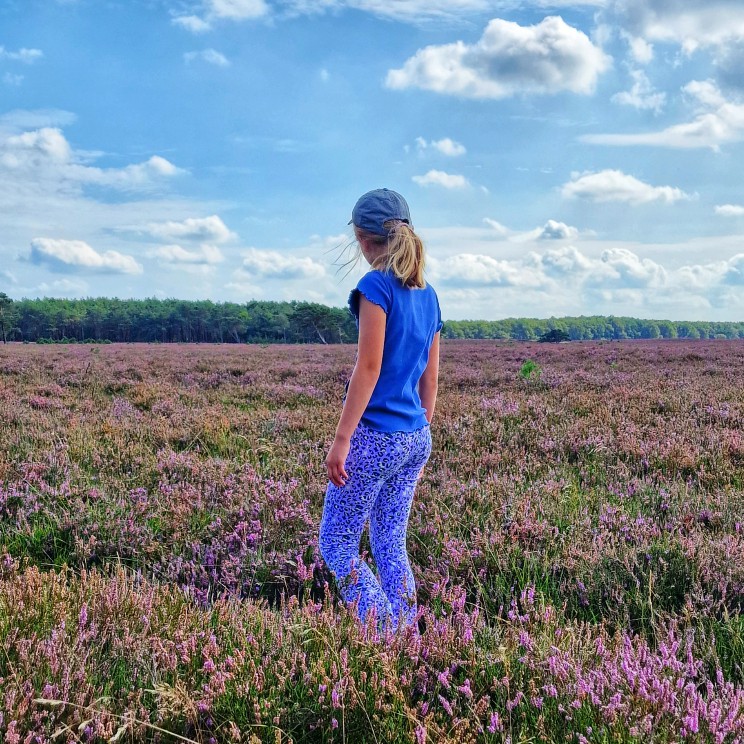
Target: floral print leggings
x=383, y=469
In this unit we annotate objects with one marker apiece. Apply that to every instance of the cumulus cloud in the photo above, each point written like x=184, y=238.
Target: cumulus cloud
x=445, y=146
x=730, y=210
x=734, y=270
x=206, y=255
x=553, y=230
x=642, y=94
x=557, y=263
x=44, y=160
x=717, y=121
x=566, y=280
x=202, y=229
x=67, y=255
x=210, y=56
x=640, y=49
x=627, y=269
x=697, y=277
x=474, y=270
x=440, y=178
x=509, y=59
x=616, y=186
x=27, y=56
x=274, y=265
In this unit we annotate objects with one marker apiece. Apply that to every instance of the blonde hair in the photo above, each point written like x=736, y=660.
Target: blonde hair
x=404, y=255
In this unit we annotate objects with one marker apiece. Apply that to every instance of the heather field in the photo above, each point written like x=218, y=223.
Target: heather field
x=577, y=540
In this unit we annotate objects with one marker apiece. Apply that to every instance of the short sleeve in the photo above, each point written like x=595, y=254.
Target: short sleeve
x=439, y=315
x=375, y=288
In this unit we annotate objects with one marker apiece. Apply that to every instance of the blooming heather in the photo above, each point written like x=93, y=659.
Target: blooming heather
x=577, y=541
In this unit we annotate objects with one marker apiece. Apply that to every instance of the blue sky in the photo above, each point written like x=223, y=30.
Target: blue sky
x=559, y=158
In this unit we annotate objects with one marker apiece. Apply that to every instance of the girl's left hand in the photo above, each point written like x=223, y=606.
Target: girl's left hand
x=335, y=462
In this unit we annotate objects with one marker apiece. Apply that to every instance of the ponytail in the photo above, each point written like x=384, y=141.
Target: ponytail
x=405, y=253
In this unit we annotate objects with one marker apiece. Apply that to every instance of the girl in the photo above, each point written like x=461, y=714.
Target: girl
x=383, y=439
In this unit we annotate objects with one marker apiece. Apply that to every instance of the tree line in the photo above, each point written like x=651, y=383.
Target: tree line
x=181, y=321
x=583, y=328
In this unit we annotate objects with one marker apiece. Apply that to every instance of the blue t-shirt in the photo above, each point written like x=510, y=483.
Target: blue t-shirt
x=413, y=318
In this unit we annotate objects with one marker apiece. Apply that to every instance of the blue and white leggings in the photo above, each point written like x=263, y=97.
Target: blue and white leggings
x=383, y=469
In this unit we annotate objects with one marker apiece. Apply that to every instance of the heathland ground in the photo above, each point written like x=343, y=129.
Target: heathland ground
x=577, y=540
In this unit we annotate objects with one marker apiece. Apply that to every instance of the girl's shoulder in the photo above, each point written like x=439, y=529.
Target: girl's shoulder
x=376, y=287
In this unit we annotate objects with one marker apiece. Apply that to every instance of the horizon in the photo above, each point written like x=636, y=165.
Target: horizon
x=576, y=156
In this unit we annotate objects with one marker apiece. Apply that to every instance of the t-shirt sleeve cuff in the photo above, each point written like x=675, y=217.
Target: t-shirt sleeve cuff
x=373, y=290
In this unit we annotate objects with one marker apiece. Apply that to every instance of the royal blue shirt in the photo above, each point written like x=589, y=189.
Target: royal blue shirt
x=413, y=318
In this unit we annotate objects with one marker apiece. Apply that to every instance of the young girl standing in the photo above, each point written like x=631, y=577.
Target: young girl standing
x=383, y=439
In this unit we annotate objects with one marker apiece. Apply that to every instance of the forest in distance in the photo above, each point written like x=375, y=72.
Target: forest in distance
x=91, y=320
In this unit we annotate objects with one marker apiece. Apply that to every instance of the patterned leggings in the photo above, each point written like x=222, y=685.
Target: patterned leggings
x=383, y=470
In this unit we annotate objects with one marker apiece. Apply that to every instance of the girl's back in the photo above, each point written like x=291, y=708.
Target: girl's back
x=413, y=318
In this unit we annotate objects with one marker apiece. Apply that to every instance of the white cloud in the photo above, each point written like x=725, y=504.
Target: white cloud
x=567, y=281
x=509, y=59
x=210, y=56
x=440, y=178
x=473, y=270
x=689, y=23
x=66, y=255
x=175, y=254
x=27, y=56
x=730, y=210
x=553, y=230
x=642, y=94
x=616, y=186
x=557, y=263
x=445, y=146
x=237, y=10
x=700, y=277
x=221, y=10
x=35, y=148
x=208, y=229
x=259, y=264
x=717, y=122
x=192, y=23
x=628, y=270
x=640, y=50
x=42, y=160
x=734, y=273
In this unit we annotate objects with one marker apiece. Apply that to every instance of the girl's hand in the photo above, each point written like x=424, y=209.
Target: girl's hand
x=335, y=462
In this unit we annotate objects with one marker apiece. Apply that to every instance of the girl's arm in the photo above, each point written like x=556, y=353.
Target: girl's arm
x=429, y=381
x=372, y=320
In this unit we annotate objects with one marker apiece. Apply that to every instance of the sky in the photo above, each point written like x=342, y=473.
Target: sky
x=559, y=158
